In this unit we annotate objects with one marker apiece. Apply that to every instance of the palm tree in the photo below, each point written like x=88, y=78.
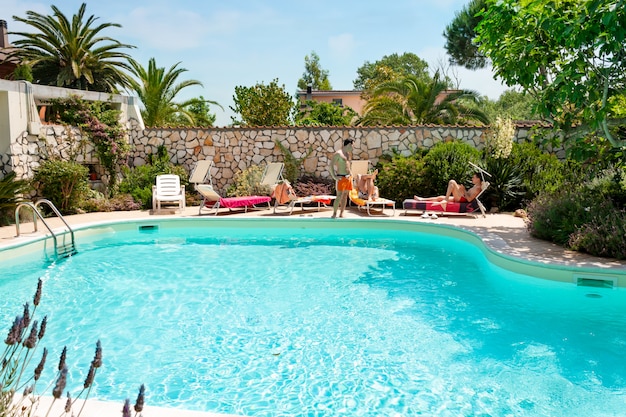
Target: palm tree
x=410, y=100
x=71, y=54
x=157, y=90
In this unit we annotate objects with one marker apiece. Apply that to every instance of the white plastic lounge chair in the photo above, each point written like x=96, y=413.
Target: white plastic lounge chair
x=273, y=174
x=213, y=201
x=201, y=173
x=168, y=190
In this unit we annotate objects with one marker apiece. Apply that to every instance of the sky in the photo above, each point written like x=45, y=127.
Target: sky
x=225, y=44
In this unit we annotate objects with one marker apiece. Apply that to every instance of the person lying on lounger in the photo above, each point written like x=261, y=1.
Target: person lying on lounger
x=366, y=187
x=457, y=193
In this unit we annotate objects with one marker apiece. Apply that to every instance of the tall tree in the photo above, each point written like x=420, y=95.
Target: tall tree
x=72, y=53
x=200, y=111
x=569, y=53
x=411, y=100
x=511, y=104
x=157, y=89
x=263, y=105
x=314, y=75
x=389, y=68
x=460, y=37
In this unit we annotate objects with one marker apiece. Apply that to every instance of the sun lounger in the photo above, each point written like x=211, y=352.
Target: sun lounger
x=470, y=208
x=273, y=174
x=213, y=201
x=201, y=173
x=369, y=205
x=284, y=195
x=361, y=168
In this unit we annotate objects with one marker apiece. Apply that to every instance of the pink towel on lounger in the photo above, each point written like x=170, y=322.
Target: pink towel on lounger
x=250, y=200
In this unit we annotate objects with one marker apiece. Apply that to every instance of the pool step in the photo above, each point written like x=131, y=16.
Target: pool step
x=66, y=250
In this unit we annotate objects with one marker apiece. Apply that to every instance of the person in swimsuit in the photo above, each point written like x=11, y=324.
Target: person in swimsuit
x=457, y=193
x=340, y=171
x=366, y=187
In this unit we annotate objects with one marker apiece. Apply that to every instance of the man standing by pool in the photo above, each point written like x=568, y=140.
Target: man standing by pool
x=340, y=171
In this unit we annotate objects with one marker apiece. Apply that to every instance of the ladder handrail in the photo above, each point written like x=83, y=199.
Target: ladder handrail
x=34, y=207
x=37, y=214
x=57, y=212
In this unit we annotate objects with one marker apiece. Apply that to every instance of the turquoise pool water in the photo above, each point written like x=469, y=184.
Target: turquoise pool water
x=324, y=322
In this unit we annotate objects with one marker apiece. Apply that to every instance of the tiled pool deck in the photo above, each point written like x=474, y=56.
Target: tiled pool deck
x=502, y=232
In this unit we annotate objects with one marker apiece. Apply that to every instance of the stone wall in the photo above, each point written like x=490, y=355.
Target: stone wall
x=234, y=149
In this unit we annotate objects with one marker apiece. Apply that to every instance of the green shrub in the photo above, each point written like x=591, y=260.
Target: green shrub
x=604, y=235
x=555, y=216
x=248, y=182
x=446, y=161
x=11, y=192
x=292, y=164
x=588, y=217
x=401, y=177
x=64, y=183
x=540, y=171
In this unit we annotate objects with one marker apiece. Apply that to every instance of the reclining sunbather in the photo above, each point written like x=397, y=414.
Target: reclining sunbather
x=366, y=187
x=457, y=193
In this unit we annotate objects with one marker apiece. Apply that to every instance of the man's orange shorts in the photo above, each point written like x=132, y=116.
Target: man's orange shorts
x=344, y=184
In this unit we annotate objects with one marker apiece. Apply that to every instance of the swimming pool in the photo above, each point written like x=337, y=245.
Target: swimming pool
x=274, y=318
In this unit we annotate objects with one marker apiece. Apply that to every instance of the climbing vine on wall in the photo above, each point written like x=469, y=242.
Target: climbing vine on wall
x=101, y=124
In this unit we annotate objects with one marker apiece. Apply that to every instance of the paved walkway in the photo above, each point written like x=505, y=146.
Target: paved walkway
x=503, y=232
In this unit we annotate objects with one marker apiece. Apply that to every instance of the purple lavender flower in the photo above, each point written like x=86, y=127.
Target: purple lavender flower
x=14, y=332
x=68, y=403
x=126, y=409
x=60, y=385
x=62, y=358
x=97, y=359
x=90, y=376
x=140, y=399
x=42, y=328
x=42, y=363
x=37, y=297
x=26, y=316
x=31, y=340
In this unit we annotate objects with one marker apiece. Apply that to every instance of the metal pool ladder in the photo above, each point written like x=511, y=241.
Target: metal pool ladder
x=62, y=249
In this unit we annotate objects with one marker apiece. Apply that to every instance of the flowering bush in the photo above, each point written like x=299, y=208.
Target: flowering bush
x=248, y=182
x=499, y=140
x=102, y=126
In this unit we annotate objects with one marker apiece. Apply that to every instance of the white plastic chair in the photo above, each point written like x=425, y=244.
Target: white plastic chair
x=168, y=190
